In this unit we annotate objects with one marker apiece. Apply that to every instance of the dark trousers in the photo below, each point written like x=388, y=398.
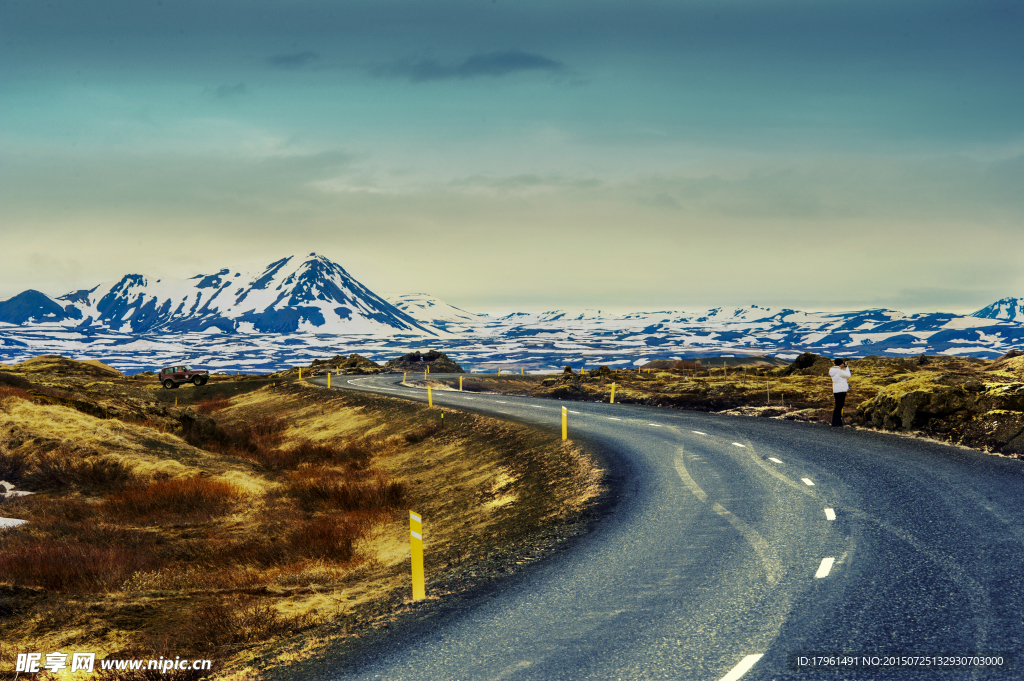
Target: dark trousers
x=837, y=414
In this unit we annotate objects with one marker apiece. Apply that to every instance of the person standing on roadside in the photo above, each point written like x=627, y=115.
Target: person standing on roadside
x=839, y=373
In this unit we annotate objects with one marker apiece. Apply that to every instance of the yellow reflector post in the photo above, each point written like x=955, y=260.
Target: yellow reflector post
x=419, y=590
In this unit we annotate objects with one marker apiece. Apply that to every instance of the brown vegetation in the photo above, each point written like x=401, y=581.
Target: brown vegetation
x=250, y=512
x=965, y=401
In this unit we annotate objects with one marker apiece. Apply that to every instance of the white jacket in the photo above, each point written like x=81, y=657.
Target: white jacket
x=839, y=376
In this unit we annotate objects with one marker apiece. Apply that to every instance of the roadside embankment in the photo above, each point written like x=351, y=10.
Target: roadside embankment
x=963, y=401
x=257, y=522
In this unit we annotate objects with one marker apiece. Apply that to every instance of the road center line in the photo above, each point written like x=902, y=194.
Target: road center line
x=772, y=564
x=824, y=568
x=772, y=458
x=690, y=483
x=742, y=668
x=830, y=514
x=807, y=482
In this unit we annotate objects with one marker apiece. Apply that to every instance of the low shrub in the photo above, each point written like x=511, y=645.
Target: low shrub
x=13, y=381
x=326, y=538
x=69, y=565
x=193, y=499
x=324, y=491
x=217, y=625
x=68, y=468
x=213, y=404
x=13, y=467
x=423, y=433
x=8, y=391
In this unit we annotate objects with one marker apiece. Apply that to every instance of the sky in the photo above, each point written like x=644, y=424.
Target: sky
x=537, y=154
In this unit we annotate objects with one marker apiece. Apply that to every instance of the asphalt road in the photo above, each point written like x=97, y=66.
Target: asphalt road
x=738, y=544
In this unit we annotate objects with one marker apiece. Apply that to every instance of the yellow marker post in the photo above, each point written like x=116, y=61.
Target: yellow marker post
x=425, y=374
x=565, y=423
x=499, y=372
x=328, y=380
x=639, y=370
x=419, y=590
x=613, y=394
x=521, y=371
x=175, y=401
x=404, y=374
x=460, y=384
x=300, y=373
x=428, y=368
x=430, y=397
x=442, y=419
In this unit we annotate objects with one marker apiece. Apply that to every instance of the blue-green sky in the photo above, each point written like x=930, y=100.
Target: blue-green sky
x=529, y=154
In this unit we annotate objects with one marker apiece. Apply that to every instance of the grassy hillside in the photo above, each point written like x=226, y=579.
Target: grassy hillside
x=970, y=402
x=257, y=522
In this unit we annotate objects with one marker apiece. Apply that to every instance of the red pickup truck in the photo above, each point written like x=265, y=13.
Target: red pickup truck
x=172, y=377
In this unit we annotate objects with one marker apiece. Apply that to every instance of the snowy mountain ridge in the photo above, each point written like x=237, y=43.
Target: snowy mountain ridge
x=304, y=306
x=295, y=294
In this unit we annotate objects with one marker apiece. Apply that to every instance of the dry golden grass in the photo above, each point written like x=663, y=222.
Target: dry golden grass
x=297, y=504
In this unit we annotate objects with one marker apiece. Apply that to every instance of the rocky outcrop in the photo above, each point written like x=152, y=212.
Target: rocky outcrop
x=808, y=364
x=1004, y=362
x=957, y=408
x=353, y=364
x=438, y=362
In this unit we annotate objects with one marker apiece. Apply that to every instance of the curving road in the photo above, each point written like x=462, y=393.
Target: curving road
x=738, y=544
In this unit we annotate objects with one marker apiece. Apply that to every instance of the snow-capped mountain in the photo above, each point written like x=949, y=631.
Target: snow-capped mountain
x=302, y=307
x=436, y=313
x=294, y=294
x=1011, y=309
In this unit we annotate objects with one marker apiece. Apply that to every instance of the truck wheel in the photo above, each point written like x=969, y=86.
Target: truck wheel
x=168, y=384
x=205, y=379
x=197, y=381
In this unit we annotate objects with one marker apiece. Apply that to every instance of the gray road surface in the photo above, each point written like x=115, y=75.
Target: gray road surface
x=736, y=543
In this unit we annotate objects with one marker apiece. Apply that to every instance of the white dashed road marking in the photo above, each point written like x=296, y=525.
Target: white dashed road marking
x=807, y=482
x=698, y=432
x=499, y=402
x=772, y=458
x=824, y=568
x=655, y=425
x=742, y=668
x=573, y=412
x=612, y=418
x=738, y=444
x=830, y=514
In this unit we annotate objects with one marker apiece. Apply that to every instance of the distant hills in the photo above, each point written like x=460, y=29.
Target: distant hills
x=1010, y=309
x=300, y=307
x=292, y=295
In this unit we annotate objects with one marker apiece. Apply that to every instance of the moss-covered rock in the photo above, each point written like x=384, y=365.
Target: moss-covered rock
x=808, y=364
x=438, y=362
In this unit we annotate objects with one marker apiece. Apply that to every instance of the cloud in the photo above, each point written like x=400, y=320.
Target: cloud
x=491, y=64
x=228, y=91
x=297, y=60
